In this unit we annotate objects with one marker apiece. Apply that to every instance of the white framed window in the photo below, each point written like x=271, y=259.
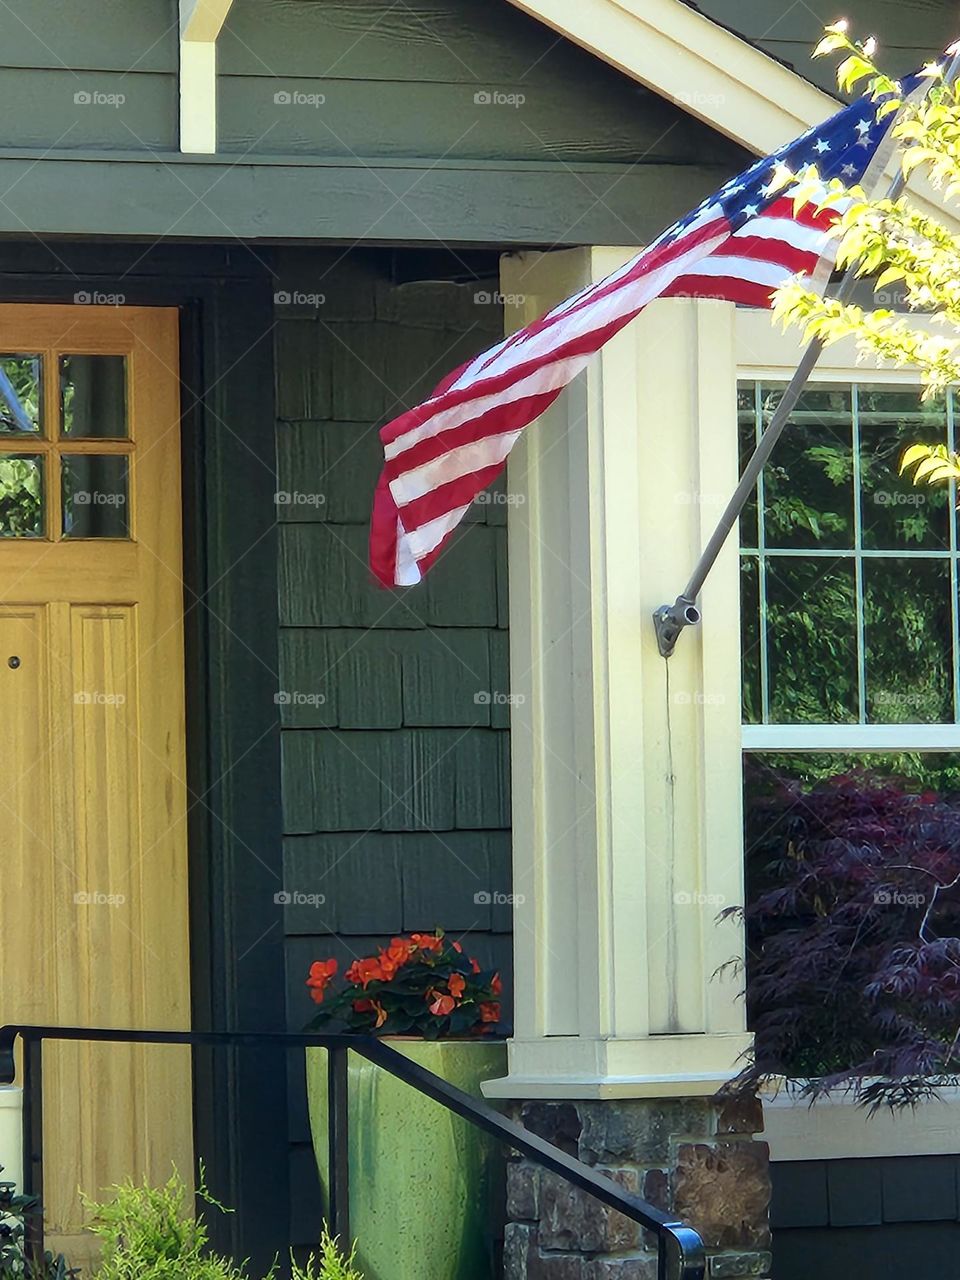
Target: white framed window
x=850, y=595
x=850, y=574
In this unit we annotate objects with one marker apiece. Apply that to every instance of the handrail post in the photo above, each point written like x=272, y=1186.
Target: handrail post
x=33, y=1144
x=338, y=1139
x=680, y=1254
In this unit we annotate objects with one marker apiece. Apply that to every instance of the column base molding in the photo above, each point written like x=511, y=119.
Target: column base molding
x=669, y=1066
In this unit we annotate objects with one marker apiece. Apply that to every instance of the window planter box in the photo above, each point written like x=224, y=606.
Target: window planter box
x=835, y=1128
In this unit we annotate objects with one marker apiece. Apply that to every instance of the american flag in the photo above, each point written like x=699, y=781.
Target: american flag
x=740, y=244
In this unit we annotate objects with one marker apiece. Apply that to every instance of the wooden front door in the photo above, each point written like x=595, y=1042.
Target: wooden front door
x=93, y=895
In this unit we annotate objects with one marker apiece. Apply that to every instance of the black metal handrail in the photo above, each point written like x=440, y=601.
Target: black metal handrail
x=680, y=1249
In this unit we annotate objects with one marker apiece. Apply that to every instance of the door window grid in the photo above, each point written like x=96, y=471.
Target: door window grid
x=758, y=553
x=52, y=450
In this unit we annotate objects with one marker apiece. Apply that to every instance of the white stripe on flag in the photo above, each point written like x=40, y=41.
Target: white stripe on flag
x=785, y=231
x=462, y=461
x=751, y=269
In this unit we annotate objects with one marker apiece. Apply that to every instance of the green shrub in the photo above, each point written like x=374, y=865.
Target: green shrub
x=149, y=1233
x=333, y=1264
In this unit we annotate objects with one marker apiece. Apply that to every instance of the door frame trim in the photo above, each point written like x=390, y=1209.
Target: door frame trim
x=225, y=298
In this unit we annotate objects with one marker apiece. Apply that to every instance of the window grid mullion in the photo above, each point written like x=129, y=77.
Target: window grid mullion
x=858, y=558
x=762, y=566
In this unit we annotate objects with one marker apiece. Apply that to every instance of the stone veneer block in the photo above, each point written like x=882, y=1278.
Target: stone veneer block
x=696, y=1158
x=733, y=1266
x=724, y=1191
x=573, y=1220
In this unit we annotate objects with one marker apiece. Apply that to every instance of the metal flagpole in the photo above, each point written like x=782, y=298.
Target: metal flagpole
x=670, y=620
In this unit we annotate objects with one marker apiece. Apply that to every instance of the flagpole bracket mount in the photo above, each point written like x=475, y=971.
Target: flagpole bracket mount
x=670, y=619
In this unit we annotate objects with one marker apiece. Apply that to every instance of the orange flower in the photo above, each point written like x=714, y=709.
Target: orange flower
x=363, y=1006
x=442, y=1004
x=496, y=986
x=381, y=1013
x=321, y=974
x=456, y=985
x=490, y=1011
x=474, y=965
x=395, y=956
x=363, y=972
x=427, y=941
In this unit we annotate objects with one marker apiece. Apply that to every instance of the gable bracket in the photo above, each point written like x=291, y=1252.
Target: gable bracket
x=201, y=22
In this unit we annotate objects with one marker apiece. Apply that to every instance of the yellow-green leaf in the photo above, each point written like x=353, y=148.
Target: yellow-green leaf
x=912, y=455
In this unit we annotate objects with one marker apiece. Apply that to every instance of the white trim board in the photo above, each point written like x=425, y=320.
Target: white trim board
x=835, y=1128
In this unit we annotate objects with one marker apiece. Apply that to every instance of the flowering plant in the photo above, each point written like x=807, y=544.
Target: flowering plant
x=421, y=985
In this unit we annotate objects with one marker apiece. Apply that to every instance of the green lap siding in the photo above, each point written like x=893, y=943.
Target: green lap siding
x=461, y=79
x=909, y=31
x=450, y=122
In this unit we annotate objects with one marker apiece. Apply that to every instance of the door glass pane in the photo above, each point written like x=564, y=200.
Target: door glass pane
x=907, y=613
x=20, y=392
x=95, y=492
x=21, y=496
x=94, y=397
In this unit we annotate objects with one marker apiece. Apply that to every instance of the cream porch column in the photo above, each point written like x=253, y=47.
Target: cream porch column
x=626, y=769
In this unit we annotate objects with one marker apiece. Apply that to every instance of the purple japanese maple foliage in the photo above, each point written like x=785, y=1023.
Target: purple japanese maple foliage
x=853, y=916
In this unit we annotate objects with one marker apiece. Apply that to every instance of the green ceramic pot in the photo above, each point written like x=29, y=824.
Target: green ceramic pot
x=423, y=1183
